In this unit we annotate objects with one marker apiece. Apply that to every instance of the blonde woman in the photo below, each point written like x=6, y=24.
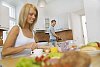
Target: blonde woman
x=20, y=40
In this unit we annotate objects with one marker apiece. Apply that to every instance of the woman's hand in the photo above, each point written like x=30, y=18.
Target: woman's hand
x=31, y=46
x=34, y=46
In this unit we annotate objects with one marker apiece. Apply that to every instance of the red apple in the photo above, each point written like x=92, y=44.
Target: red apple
x=37, y=59
x=46, y=59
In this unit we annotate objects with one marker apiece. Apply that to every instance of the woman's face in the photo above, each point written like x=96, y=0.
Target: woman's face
x=31, y=16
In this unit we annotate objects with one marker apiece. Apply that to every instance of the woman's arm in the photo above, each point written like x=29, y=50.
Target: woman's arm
x=8, y=47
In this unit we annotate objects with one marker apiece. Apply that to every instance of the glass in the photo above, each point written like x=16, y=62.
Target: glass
x=64, y=46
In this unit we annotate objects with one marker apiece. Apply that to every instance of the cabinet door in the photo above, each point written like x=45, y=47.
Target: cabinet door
x=4, y=17
x=64, y=22
x=40, y=25
x=61, y=22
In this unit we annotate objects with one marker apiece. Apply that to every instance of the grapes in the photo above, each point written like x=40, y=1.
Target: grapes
x=27, y=62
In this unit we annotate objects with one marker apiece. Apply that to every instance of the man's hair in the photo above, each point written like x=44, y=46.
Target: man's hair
x=53, y=21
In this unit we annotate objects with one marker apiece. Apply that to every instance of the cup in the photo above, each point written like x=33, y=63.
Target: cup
x=37, y=52
x=54, y=49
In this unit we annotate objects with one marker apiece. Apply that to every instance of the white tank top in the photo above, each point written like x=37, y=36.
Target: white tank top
x=22, y=40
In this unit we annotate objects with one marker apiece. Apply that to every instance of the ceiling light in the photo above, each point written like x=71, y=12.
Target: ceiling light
x=41, y=3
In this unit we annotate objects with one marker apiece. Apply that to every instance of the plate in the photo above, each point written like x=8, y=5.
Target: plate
x=92, y=53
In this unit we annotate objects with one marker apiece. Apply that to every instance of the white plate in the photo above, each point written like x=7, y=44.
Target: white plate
x=42, y=43
x=92, y=53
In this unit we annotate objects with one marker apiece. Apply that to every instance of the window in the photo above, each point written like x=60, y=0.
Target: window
x=12, y=18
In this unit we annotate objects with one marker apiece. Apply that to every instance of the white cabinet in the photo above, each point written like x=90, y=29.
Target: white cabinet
x=63, y=22
x=4, y=18
x=40, y=25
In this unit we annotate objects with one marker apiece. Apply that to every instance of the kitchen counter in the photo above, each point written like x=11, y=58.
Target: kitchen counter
x=11, y=62
x=65, y=35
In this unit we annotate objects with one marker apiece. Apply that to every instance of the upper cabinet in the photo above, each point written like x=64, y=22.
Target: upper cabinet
x=40, y=24
x=63, y=21
x=4, y=18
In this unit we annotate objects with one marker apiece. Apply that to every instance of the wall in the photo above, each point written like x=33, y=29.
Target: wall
x=62, y=6
x=77, y=29
x=92, y=11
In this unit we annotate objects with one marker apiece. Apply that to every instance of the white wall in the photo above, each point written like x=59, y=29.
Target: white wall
x=77, y=29
x=62, y=6
x=92, y=11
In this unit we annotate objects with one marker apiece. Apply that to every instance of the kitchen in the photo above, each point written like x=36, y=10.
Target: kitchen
x=69, y=12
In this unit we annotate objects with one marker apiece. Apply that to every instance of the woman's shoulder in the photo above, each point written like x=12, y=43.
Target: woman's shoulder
x=15, y=29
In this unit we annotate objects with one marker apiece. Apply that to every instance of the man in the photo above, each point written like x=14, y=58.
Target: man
x=52, y=33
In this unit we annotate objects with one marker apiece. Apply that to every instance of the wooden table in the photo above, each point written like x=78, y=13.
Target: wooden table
x=11, y=62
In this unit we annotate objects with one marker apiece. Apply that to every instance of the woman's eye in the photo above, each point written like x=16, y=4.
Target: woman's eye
x=31, y=14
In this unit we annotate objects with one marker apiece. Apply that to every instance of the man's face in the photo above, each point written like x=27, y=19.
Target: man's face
x=53, y=24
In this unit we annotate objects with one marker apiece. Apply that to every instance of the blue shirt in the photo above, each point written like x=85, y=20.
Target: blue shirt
x=51, y=31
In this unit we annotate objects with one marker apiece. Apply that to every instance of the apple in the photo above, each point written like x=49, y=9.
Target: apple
x=37, y=59
x=45, y=59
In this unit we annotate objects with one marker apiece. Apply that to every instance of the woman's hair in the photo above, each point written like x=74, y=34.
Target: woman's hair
x=24, y=13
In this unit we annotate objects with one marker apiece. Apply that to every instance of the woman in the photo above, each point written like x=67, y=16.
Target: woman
x=20, y=40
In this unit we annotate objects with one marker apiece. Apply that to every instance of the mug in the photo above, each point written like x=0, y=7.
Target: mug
x=37, y=52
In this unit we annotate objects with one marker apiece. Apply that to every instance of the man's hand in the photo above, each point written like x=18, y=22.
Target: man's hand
x=59, y=38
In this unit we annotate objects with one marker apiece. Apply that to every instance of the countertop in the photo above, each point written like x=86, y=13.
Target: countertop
x=11, y=62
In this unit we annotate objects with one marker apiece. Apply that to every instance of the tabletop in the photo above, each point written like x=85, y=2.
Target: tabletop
x=11, y=62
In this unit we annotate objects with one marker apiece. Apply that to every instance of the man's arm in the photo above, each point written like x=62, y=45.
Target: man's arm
x=54, y=34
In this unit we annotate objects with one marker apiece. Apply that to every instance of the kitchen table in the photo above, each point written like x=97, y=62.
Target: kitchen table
x=11, y=62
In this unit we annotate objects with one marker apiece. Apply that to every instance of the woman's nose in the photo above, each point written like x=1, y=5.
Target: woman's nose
x=33, y=16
